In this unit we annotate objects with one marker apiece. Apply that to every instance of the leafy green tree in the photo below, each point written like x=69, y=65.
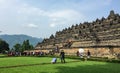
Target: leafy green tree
x=17, y=47
x=4, y=46
x=31, y=47
x=26, y=45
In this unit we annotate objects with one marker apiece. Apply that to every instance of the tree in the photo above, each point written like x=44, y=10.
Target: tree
x=31, y=47
x=26, y=45
x=17, y=47
x=4, y=46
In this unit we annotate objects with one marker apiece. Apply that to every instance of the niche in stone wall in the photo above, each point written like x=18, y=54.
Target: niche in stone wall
x=111, y=23
x=83, y=27
x=95, y=27
x=103, y=25
x=79, y=32
x=97, y=30
x=93, y=24
x=76, y=37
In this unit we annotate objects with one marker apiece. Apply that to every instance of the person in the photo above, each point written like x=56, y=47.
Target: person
x=77, y=53
x=57, y=50
x=88, y=54
x=54, y=60
x=62, y=56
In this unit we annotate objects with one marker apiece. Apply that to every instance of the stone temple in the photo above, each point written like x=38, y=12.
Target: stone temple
x=101, y=36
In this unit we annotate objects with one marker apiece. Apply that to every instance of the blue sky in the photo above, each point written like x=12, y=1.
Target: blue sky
x=41, y=18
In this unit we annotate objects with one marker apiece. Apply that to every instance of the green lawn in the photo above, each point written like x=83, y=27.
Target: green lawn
x=43, y=65
x=2, y=55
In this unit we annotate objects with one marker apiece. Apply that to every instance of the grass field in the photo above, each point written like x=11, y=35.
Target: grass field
x=43, y=65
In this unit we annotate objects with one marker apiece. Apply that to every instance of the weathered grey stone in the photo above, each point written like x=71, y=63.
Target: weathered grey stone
x=102, y=32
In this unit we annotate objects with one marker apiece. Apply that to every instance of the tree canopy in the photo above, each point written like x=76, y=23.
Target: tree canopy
x=4, y=46
x=24, y=46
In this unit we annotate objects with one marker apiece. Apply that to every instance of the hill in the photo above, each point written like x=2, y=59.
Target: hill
x=13, y=39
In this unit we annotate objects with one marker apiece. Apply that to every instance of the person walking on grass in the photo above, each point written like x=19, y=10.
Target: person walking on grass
x=62, y=56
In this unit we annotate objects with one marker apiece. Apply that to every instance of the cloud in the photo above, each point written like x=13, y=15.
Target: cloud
x=63, y=17
x=31, y=25
x=59, y=14
x=52, y=25
x=3, y=2
x=92, y=4
x=30, y=10
x=67, y=14
x=25, y=13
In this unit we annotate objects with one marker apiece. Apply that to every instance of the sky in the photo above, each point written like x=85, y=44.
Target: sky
x=41, y=18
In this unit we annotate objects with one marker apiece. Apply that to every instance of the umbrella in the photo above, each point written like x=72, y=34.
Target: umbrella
x=81, y=50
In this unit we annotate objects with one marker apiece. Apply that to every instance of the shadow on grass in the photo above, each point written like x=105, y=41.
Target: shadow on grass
x=14, y=66
x=95, y=68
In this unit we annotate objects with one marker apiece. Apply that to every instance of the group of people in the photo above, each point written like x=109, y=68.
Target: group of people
x=62, y=57
x=82, y=54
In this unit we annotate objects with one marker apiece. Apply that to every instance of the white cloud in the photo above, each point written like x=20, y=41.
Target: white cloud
x=26, y=13
x=30, y=10
x=52, y=25
x=63, y=17
x=92, y=4
x=2, y=1
x=31, y=25
x=65, y=14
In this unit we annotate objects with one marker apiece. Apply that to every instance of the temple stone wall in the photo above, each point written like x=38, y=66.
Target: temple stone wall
x=99, y=52
x=103, y=33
